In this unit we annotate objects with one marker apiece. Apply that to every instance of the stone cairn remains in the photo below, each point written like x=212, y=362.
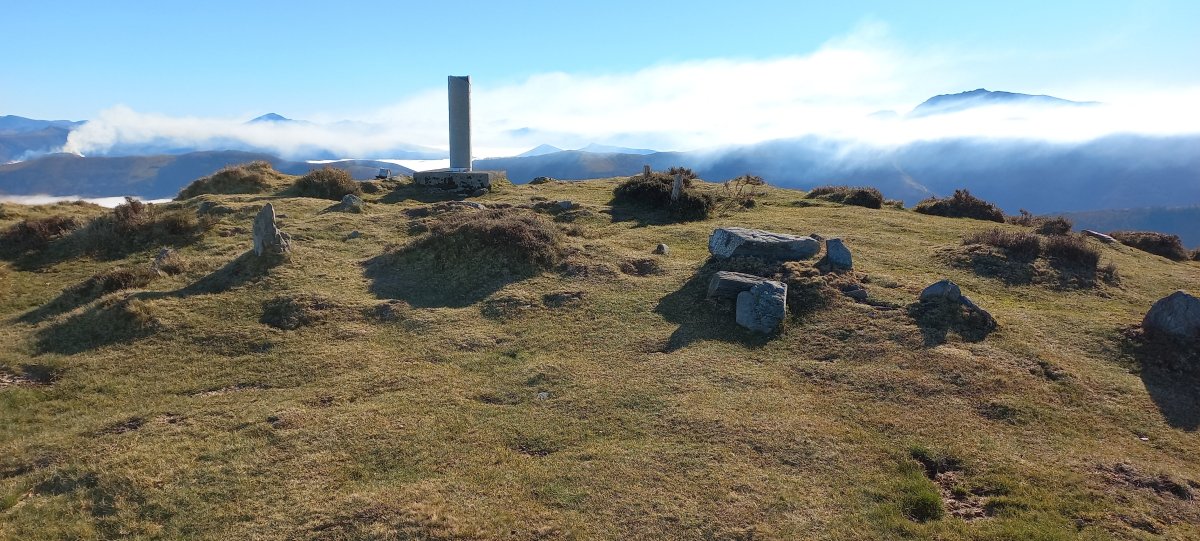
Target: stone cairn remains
x=760, y=303
x=945, y=291
x=268, y=239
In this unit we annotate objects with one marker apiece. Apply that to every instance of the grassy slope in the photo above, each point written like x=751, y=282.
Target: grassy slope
x=663, y=420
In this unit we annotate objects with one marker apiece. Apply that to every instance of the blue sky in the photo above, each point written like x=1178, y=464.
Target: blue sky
x=74, y=59
x=662, y=75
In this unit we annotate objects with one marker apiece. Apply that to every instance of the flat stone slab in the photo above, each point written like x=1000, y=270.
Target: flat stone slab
x=463, y=181
x=727, y=285
x=729, y=242
x=1098, y=235
x=1177, y=314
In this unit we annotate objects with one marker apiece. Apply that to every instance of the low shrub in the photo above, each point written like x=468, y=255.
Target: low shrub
x=1072, y=250
x=293, y=312
x=1168, y=246
x=897, y=204
x=688, y=174
x=326, y=183
x=1057, y=225
x=848, y=195
x=655, y=192
x=135, y=224
x=35, y=233
x=742, y=191
x=246, y=178
x=960, y=205
x=1196, y=255
x=1018, y=244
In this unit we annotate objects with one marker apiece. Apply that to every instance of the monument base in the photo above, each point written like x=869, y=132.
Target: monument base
x=460, y=181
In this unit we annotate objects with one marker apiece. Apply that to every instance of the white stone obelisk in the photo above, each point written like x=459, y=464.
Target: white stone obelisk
x=459, y=92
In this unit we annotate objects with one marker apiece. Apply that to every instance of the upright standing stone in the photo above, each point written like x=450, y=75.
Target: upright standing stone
x=645, y=171
x=459, y=90
x=763, y=307
x=268, y=239
x=677, y=187
x=837, y=255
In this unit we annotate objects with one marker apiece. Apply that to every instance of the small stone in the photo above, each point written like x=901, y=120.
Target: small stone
x=353, y=235
x=662, y=249
x=837, y=255
x=858, y=294
x=544, y=395
x=350, y=203
x=763, y=307
x=944, y=289
x=566, y=205
x=729, y=242
x=1177, y=315
x=268, y=239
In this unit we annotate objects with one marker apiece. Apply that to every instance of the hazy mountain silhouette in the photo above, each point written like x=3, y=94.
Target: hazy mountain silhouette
x=270, y=117
x=609, y=149
x=151, y=177
x=980, y=97
x=539, y=151
x=1182, y=221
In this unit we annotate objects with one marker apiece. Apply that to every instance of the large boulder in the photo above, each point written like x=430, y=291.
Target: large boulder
x=763, y=307
x=729, y=242
x=349, y=203
x=1177, y=315
x=728, y=285
x=268, y=239
x=942, y=290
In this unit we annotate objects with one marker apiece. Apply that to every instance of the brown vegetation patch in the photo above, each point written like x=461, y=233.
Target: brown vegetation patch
x=848, y=195
x=654, y=192
x=294, y=311
x=1168, y=246
x=642, y=267
x=961, y=205
x=326, y=183
x=35, y=233
x=1017, y=257
x=246, y=178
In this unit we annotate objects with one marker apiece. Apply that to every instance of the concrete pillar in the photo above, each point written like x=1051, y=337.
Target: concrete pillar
x=459, y=91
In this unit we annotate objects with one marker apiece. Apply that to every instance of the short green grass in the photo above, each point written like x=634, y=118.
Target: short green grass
x=584, y=403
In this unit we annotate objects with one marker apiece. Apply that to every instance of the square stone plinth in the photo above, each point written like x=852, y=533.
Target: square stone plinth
x=463, y=181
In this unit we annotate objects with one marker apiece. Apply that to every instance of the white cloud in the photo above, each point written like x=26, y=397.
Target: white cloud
x=698, y=104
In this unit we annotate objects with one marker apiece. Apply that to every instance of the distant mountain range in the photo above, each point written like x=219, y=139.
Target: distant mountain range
x=593, y=148
x=22, y=137
x=151, y=177
x=1182, y=221
x=981, y=97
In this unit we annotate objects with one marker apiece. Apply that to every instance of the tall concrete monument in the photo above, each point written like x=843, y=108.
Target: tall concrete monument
x=459, y=176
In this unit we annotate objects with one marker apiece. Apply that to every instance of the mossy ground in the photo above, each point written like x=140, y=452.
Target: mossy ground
x=581, y=402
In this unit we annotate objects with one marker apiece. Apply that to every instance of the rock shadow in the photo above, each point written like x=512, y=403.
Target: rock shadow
x=1170, y=370
x=421, y=278
x=421, y=194
x=700, y=318
x=246, y=268
x=994, y=263
x=938, y=318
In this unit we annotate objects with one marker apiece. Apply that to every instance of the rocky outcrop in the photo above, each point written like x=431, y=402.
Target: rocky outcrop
x=837, y=255
x=349, y=203
x=1176, y=315
x=942, y=290
x=268, y=239
x=729, y=242
x=763, y=307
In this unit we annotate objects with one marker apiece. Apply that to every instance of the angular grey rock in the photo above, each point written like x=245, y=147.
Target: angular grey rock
x=662, y=249
x=858, y=294
x=837, y=255
x=729, y=242
x=566, y=205
x=763, y=307
x=1177, y=314
x=354, y=234
x=159, y=260
x=349, y=203
x=944, y=289
x=1098, y=235
x=268, y=239
x=727, y=285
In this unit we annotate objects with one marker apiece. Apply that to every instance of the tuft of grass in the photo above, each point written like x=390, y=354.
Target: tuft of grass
x=1168, y=246
x=135, y=225
x=1043, y=225
x=246, y=178
x=861, y=196
x=326, y=183
x=960, y=205
x=1072, y=250
x=35, y=233
x=655, y=192
x=1018, y=244
x=291, y=312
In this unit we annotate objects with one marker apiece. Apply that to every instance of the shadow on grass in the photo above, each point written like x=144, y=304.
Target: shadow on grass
x=993, y=263
x=700, y=318
x=1170, y=370
x=131, y=317
x=422, y=279
x=421, y=194
x=938, y=318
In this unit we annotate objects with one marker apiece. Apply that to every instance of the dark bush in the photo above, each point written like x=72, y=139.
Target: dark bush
x=134, y=225
x=252, y=177
x=527, y=241
x=960, y=205
x=742, y=191
x=688, y=174
x=1057, y=225
x=1072, y=250
x=1017, y=244
x=37, y=232
x=1196, y=255
x=848, y=195
x=1168, y=246
x=655, y=192
x=327, y=183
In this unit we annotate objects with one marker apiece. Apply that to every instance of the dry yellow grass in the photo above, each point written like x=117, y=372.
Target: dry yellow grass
x=577, y=404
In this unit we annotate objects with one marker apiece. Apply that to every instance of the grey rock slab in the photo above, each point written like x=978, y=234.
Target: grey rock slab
x=1177, y=314
x=727, y=284
x=763, y=307
x=944, y=289
x=1098, y=235
x=662, y=249
x=729, y=242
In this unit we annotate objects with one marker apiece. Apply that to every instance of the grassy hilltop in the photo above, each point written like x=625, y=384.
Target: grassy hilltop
x=535, y=372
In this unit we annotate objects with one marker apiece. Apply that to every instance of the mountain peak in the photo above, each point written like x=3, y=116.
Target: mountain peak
x=539, y=150
x=949, y=103
x=270, y=117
